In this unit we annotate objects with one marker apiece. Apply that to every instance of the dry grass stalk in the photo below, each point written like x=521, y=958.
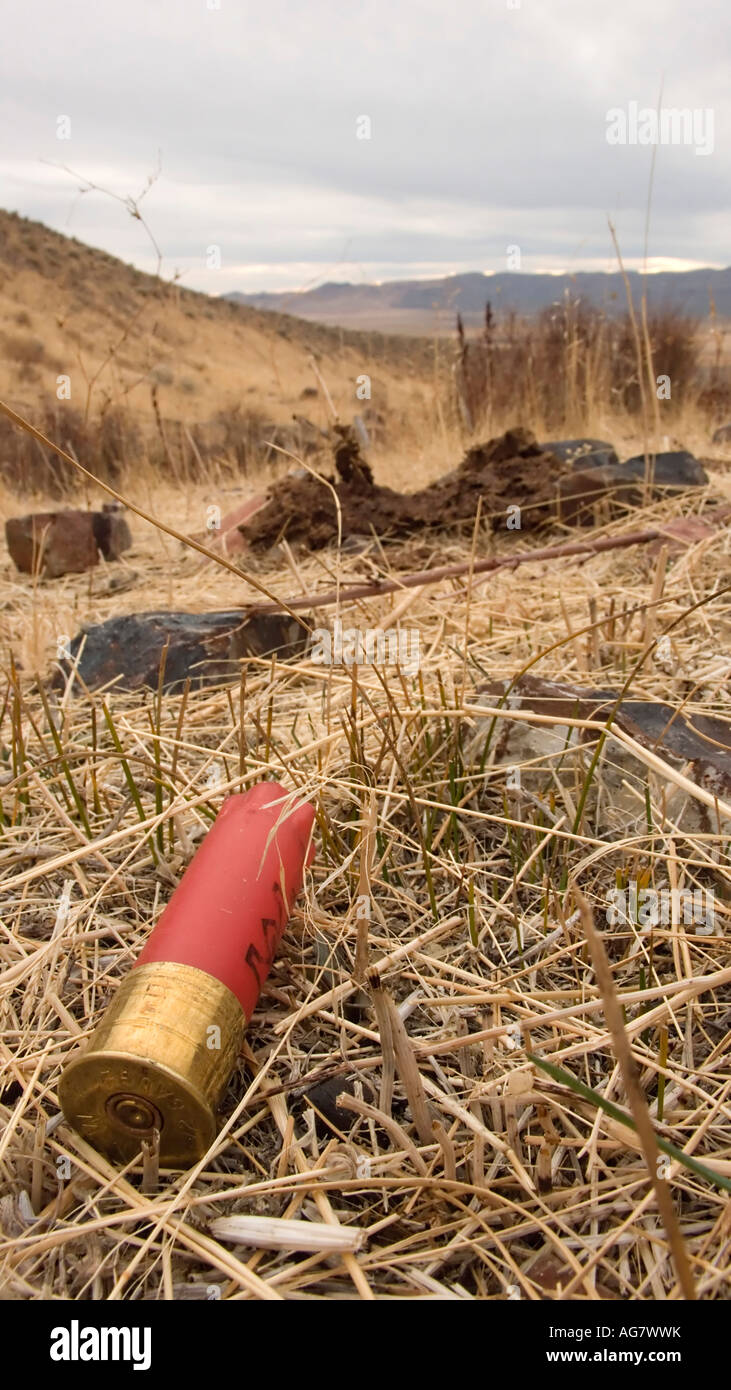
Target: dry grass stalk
x=501, y=960
x=276, y=1233
x=404, y=1060
x=393, y=1128
x=636, y=1098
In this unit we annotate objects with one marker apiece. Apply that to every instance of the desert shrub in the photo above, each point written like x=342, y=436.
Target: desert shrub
x=22, y=350
x=235, y=433
x=104, y=445
x=571, y=362
x=162, y=375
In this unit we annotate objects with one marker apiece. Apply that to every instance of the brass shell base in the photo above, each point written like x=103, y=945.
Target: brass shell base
x=160, y=1060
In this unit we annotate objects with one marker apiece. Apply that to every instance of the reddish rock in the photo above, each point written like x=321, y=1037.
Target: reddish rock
x=111, y=530
x=67, y=542
x=232, y=539
x=52, y=543
x=579, y=491
x=689, y=530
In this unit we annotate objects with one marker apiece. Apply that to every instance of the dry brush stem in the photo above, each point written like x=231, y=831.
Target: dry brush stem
x=362, y=916
x=635, y=1097
x=391, y=1126
x=398, y=1042
x=470, y=568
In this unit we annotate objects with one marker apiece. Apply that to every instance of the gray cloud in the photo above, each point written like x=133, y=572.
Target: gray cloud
x=488, y=129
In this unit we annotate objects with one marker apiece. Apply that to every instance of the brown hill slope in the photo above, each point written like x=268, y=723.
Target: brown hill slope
x=67, y=309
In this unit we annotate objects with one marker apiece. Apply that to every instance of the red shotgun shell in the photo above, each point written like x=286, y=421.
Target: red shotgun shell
x=229, y=911
x=159, y=1060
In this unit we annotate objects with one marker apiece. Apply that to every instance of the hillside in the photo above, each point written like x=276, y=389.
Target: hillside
x=66, y=308
x=429, y=306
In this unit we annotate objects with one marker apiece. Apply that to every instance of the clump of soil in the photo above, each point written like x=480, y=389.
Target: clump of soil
x=506, y=472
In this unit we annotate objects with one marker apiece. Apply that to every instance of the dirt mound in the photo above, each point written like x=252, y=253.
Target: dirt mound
x=508, y=472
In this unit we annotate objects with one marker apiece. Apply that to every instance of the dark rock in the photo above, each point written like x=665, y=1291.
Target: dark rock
x=722, y=435
x=703, y=740
x=207, y=647
x=677, y=469
x=323, y=1099
x=622, y=484
x=52, y=543
x=654, y=724
x=263, y=634
x=577, y=450
x=128, y=650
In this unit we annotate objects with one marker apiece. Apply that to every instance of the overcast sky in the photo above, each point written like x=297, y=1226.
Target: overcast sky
x=488, y=130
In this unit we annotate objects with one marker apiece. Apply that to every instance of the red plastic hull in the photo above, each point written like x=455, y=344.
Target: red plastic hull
x=230, y=909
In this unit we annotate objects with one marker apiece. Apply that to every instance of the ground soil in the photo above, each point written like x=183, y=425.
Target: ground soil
x=507, y=472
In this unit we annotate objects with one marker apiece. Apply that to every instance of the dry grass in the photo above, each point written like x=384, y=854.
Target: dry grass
x=574, y=367
x=468, y=1168
x=475, y=1174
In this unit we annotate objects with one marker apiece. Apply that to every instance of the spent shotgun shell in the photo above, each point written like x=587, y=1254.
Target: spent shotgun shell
x=164, y=1050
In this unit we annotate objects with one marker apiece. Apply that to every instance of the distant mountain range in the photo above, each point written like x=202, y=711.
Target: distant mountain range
x=419, y=306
